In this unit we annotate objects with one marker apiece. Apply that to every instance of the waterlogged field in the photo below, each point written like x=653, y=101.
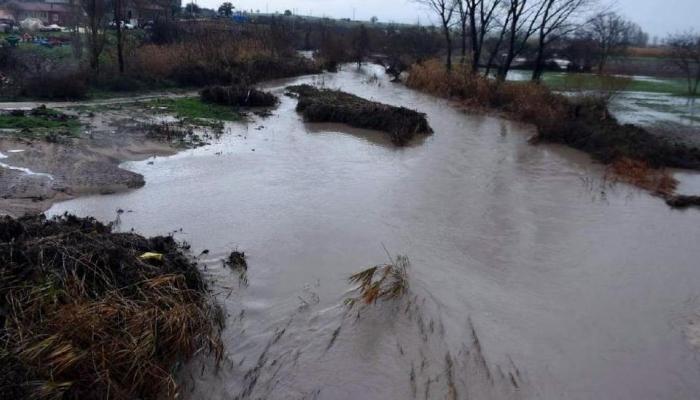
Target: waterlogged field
x=529, y=276
x=641, y=100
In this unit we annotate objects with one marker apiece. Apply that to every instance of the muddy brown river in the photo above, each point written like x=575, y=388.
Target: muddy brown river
x=530, y=277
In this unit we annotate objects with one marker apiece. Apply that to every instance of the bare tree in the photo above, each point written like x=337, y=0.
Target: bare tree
x=611, y=32
x=96, y=11
x=120, y=39
x=361, y=45
x=445, y=10
x=685, y=54
x=479, y=16
x=522, y=18
x=555, y=21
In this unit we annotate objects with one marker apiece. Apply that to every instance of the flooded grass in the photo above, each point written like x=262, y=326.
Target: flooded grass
x=381, y=282
x=194, y=108
x=39, y=121
x=640, y=174
x=87, y=315
x=324, y=105
x=593, y=82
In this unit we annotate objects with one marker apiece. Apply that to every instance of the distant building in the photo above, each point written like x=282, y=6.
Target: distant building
x=49, y=13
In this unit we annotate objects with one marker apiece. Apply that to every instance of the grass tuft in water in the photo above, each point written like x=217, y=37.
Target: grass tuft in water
x=381, y=282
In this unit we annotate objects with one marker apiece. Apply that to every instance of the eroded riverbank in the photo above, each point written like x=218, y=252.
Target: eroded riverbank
x=574, y=288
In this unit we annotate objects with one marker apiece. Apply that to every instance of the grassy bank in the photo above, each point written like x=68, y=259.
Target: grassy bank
x=40, y=121
x=592, y=82
x=583, y=123
x=195, y=108
x=323, y=105
x=92, y=314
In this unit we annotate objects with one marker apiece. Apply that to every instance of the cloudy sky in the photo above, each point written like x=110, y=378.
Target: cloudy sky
x=656, y=17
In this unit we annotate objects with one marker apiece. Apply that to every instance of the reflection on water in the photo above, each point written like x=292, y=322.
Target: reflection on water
x=528, y=279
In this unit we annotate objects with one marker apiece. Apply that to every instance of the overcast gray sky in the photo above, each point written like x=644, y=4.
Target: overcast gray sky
x=656, y=17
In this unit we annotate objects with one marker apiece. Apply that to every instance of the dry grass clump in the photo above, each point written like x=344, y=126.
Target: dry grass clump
x=324, y=105
x=640, y=174
x=84, y=316
x=381, y=282
x=238, y=96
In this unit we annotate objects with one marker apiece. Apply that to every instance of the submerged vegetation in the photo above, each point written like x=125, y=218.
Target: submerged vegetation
x=324, y=105
x=381, y=282
x=194, y=108
x=87, y=313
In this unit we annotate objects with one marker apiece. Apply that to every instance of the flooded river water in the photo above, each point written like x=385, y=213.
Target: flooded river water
x=530, y=279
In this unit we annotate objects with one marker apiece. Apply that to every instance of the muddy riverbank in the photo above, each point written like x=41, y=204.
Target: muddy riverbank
x=531, y=277
x=37, y=173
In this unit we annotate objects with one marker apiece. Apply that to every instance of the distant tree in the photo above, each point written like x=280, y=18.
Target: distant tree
x=522, y=16
x=226, y=9
x=117, y=10
x=611, y=32
x=360, y=45
x=96, y=20
x=374, y=20
x=192, y=9
x=287, y=13
x=477, y=18
x=445, y=10
x=554, y=20
x=685, y=54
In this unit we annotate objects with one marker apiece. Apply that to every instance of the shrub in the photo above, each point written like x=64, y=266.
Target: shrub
x=59, y=84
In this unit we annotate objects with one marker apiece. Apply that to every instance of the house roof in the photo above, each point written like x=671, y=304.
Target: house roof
x=35, y=6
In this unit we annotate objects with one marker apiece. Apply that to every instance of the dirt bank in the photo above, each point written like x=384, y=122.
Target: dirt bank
x=36, y=173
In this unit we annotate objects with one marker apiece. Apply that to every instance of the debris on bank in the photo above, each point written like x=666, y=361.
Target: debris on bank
x=87, y=313
x=238, y=96
x=324, y=105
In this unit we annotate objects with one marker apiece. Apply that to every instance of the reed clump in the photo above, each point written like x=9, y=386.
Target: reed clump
x=87, y=313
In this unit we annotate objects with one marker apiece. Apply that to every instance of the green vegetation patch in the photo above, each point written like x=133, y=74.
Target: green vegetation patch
x=561, y=81
x=40, y=120
x=194, y=109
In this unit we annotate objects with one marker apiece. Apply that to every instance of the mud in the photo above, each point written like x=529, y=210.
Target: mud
x=37, y=173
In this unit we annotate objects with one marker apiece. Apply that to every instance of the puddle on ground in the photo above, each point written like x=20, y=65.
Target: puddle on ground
x=529, y=278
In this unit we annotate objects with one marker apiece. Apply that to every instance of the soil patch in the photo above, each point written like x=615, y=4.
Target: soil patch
x=324, y=105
